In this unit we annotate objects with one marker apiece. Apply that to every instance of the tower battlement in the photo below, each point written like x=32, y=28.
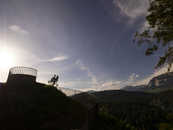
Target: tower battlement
x=21, y=75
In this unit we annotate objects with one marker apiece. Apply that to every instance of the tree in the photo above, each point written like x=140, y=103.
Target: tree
x=54, y=80
x=159, y=33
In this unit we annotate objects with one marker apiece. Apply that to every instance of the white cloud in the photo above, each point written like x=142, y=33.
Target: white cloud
x=74, y=84
x=144, y=26
x=118, y=84
x=57, y=58
x=133, y=77
x=98, y=85
x=111, y=85
x=132, y=80
x=132, y=8
x=18, y=29
x=93, y=78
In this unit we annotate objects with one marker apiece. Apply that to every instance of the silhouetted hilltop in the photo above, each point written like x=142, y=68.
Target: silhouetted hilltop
x=37, y=106
x=27, y=105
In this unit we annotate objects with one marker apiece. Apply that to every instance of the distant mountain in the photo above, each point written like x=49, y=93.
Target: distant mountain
x=91, y=91
x=159, y=83
x=135, y=88
x=68, y=91
x=144, y=107
x=164, y=80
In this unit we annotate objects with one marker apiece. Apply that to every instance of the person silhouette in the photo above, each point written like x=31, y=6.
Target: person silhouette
x=54, y=80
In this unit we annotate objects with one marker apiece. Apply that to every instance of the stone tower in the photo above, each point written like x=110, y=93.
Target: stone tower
x=22, y=75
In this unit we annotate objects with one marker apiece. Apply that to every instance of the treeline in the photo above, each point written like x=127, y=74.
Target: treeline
x=121, y=110
x=137, y=117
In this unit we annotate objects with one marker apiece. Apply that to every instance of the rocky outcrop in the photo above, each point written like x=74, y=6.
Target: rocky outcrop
x=162, y=80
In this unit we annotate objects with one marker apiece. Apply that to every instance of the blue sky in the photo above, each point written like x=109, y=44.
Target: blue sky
x=87, y=42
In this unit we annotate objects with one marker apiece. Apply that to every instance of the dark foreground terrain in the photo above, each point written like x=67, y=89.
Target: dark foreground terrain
x=37, y=106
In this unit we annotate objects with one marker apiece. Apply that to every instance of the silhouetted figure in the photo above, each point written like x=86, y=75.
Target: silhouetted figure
x=54, y=80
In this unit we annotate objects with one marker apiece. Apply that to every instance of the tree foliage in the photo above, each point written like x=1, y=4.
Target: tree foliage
x=159, y=32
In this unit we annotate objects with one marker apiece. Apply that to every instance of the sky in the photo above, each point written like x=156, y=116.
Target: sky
x=88, y=43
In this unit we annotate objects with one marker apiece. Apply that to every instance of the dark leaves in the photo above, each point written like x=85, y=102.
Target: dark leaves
x=151, y=51
x=159, y=31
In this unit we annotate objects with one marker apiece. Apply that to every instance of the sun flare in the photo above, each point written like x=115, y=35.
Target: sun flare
x=7, y=58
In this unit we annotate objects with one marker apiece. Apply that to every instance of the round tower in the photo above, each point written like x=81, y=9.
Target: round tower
x=22, y=75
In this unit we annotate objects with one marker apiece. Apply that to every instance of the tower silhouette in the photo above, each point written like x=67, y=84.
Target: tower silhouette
x=22, y=75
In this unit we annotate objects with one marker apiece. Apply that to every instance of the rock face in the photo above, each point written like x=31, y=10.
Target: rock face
x=162, y=80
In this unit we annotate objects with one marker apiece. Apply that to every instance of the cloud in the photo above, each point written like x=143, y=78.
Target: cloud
x=98, y=85
x=110, y=85
x=146, y=80
x=118, y=84
x=57, y=58
x=144, y=26
x=133, y=77
x=132, y=8
x=93, y=78
x=75, y=84
x=18, y=29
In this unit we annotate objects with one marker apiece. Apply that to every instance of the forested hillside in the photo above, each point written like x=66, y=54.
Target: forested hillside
x=135, y=110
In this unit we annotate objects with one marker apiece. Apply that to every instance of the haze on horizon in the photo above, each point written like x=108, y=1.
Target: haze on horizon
x=88, y=43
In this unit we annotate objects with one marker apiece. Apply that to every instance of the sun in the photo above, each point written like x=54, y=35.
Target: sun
x=7, y=58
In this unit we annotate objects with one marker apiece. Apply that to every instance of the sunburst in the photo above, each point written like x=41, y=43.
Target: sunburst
x=7, y=58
